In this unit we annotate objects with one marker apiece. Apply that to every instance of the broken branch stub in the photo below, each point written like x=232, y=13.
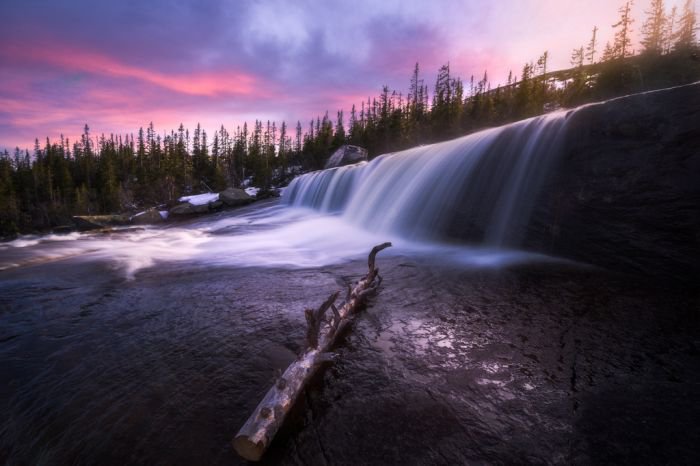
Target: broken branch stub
x=315, y=319
x=373, y=254
x=258, y=431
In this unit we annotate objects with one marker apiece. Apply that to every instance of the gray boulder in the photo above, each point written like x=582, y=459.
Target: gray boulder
x=347, y=155
x=234, y=197
x=187, y=208
x=182, y=209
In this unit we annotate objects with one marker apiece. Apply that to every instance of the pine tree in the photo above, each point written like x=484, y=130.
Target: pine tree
x=415, y=100
x=282, y=152
x=440, y=111
x=298, y=139
x=623, y=36
x=608, y=52
x=9, y=211
x=685, y=37
x=524, y=94
x=654, y=28
x=669, y=32
x=577, y=57
x=339, y=136
x=541, y=91
x=591, y=47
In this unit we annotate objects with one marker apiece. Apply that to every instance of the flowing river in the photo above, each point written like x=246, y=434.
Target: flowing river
x=153, y=346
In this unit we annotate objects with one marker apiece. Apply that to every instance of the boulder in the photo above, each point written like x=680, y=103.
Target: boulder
x=147, y=217
x=187, y=208
x=346, y=155
x=626, y=192
x=96, y=222
x=182, y=209
x=234, y=197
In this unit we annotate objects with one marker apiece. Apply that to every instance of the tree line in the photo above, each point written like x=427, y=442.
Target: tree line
x=119, y=173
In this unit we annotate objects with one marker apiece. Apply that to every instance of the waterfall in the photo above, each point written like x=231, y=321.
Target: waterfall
x=479, y=188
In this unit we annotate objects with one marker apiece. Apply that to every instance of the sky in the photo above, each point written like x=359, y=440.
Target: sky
x=119, y=65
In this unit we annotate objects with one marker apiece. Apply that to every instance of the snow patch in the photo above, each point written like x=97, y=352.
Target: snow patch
x=164, y=214
x=252, y=191
x=200, y=199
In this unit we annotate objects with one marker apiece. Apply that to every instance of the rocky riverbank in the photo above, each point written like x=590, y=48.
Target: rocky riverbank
x=186, y=207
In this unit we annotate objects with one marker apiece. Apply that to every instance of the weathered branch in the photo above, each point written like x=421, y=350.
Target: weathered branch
x=373, y=255
x=260, y=428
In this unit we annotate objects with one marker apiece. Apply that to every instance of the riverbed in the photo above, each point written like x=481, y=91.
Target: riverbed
x=152, y=346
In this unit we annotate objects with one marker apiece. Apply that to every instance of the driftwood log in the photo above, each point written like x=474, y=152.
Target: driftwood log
x=260, y=428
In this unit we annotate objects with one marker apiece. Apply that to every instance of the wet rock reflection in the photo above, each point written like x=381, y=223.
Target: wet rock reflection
x=528, y=364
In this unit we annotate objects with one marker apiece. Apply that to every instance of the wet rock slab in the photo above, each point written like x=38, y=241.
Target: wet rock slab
x=538, y=365
x=625, y=194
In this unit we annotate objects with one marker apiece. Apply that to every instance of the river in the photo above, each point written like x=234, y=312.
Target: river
x=152, y=346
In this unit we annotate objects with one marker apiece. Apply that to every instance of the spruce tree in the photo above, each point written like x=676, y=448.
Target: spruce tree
x=669, y=31
x=577, y=57
x=654, y=28
x=623, y=37
x=685, y=37
x=591, y=47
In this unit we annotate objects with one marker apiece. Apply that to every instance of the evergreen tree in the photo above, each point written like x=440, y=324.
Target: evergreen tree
x=9, y=209
x=577, y=57
x=669, y=32
x=591, y=47
x=282, y=152
x=623, y=37
x=442, y=97
x=542, y=67
x=339, y=136
x=298, y=139
x=685, y=36
x=524, y=94
x=654, y=28
x=608, y=52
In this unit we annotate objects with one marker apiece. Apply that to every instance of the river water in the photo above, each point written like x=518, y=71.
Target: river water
x=153, y=346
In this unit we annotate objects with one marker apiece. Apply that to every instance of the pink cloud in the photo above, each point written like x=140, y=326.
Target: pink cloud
x=210, y=83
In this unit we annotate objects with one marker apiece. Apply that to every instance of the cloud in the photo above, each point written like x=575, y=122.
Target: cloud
x=120, y=64
x=72, y=60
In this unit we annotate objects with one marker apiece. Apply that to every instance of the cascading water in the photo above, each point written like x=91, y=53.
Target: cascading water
x=480, y=188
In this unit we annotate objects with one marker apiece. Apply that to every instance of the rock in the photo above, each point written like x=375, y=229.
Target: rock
x=347, y=155
x=201, y=208
x=234, y=197
x=267, y=193
x=183, y=209
x=149, y=217
x=186, y=208
x=96, y=222
x=625, y=194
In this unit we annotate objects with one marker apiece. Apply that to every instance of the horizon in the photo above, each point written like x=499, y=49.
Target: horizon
x=249, y=61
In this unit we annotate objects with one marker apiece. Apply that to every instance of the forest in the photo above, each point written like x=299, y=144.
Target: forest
x=125, y=173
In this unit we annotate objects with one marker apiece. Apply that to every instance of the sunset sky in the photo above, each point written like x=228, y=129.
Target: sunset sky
x=118, y=65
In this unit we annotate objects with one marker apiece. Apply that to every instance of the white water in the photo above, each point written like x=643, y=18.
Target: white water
x=481, y=187
x=277, y=236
